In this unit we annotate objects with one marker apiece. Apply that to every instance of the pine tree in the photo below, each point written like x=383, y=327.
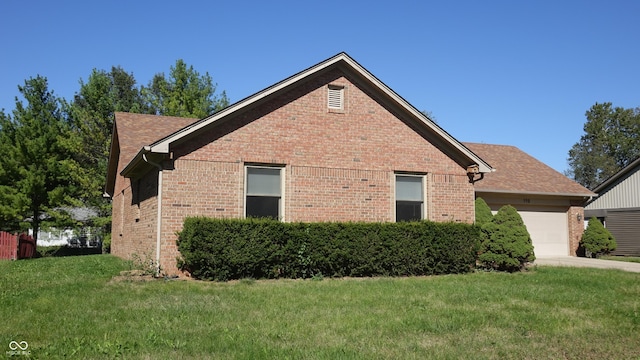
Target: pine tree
x=92, y=116
x=38, y=175
x=184, y=93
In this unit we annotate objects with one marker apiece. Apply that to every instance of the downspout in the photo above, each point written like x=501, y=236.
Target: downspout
x=159, y=219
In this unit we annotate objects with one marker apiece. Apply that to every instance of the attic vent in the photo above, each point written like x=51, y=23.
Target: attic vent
x=336, y=97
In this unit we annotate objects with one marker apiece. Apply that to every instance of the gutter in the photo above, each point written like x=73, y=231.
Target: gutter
x=159, y=216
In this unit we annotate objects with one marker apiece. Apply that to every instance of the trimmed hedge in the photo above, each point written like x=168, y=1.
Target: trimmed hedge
x=224, y=249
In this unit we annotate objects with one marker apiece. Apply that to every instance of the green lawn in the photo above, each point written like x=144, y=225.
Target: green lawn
x=622, y=258
x=69, y=307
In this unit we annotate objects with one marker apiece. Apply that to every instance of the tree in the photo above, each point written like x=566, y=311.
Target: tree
x=596, y=239
x=92, y=114
x=611, y=141
x=506, y=245
x=430, y=115
x=184, y=93
x=483, y=212
x=37, y=172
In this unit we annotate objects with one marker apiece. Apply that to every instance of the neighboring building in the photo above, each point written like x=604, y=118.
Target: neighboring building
x=550, y=204
x=83, y=234
x=331, y=143
x=618, y=207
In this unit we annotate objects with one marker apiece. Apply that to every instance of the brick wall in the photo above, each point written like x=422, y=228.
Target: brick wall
x=576, y=227
x=339, y=165
x=134, y=218
x=330, y=194
x=450, y=194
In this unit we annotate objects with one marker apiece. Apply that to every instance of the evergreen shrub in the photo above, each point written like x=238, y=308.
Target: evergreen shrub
x=506, y=244
x=225, y=249
x=597, y=240
x=483, y=212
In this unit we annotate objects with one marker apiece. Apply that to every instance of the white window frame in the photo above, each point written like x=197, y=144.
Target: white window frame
x=423, y=178
x=282, y=189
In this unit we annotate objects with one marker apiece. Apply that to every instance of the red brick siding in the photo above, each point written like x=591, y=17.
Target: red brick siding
x=449, y=200
x=134, y=218
x=297, y=129
x=576, y=228
x=197, y=188
x=324, y=194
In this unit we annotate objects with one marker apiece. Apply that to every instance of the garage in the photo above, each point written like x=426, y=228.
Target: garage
x=545, y=199
x=549, y=232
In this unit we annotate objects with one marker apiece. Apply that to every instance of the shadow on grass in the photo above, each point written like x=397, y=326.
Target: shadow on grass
x=56, y=251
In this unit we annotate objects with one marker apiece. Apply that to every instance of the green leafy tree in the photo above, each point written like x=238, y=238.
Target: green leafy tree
x=506, y=245
x=610, y=142
x=184, y=93
x=92, y=113
x=597, y=240
x=38, y=175
x=483, y=212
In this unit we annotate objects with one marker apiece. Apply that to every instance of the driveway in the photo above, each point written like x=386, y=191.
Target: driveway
x=586, y=262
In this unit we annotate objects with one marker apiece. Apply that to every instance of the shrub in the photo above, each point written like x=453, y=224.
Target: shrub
x=223, y=249
x=597, y=240
x=483, y=212
x=506, y=245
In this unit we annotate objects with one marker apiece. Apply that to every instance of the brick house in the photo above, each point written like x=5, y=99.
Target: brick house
x=331, y=143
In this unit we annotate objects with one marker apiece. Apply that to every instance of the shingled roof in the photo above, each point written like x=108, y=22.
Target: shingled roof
x=519, y=172
x=131, y=132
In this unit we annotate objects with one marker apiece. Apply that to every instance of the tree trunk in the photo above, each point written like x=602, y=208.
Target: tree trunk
x=36, y=225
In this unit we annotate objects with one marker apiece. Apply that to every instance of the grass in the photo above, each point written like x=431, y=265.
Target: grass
x=70, y=307
x=622, y=258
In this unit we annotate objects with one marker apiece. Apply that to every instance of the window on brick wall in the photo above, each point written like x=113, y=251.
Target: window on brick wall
x=263, y=192
x=335, y=96
x=409, y=197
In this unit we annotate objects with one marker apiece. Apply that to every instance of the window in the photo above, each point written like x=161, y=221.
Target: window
x=335, y=97
x=409, y=198
x=264, y=192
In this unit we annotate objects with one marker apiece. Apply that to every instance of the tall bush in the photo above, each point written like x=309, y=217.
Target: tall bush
x=506, y=245
x=597, y=240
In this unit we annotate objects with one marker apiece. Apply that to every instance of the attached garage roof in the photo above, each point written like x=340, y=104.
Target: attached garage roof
x=519, y=172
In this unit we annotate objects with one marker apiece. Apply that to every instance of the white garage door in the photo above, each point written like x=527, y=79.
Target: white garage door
x=549, y=232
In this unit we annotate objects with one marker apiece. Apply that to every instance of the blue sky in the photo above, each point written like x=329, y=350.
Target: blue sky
x=520, y=73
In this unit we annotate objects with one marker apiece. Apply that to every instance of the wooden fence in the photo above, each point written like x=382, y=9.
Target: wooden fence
x=8, y=246
x=14, y=247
